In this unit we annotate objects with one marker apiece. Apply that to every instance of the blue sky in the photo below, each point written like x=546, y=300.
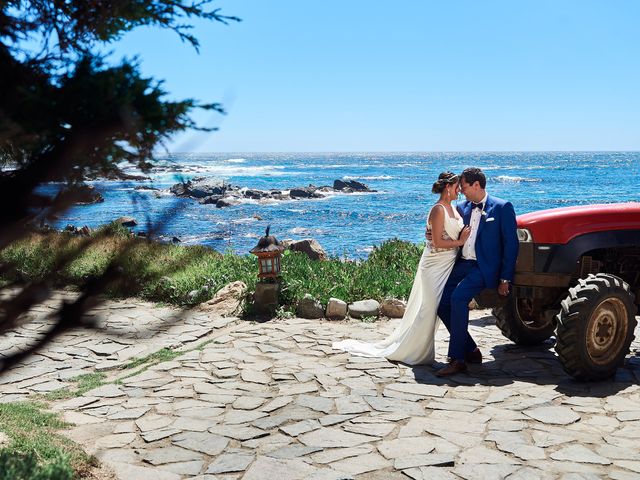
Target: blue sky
x=413, y=75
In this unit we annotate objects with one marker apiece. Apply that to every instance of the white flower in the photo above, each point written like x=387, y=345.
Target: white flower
x=483, y=213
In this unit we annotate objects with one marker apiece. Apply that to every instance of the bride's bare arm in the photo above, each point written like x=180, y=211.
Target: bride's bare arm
x=436, y=218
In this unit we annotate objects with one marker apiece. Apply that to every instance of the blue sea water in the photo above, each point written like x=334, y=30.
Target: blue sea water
x=350, y=224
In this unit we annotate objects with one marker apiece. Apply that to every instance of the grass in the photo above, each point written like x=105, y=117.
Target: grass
x=35, y=450
x=162, y=355
x=85, y=383
x=188, y=275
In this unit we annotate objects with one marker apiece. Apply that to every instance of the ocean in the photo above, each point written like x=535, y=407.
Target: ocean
x=349, y=225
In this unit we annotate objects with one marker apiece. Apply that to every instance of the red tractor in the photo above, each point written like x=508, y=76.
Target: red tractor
x=578, y=275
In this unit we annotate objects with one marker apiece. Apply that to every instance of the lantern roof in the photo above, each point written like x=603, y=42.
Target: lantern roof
x=267, y=244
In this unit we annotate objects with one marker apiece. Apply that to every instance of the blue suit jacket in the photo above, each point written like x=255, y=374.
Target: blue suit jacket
x=497, y=239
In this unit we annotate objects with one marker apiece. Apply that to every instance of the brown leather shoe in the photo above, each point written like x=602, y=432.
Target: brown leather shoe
x=473, y=357
x=455, y=366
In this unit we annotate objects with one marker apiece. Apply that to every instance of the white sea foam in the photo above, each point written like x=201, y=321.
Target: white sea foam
x=510, y=179
x=306, y=231
x=236, y=160
x=373, y=177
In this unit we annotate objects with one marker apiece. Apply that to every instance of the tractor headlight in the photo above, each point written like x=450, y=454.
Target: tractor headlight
x=524, y=235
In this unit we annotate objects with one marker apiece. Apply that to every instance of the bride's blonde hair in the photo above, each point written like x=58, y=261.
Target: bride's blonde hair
x=444, y=179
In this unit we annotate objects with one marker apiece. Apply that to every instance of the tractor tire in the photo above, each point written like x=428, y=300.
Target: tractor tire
x=521, y=328
x=595, y=327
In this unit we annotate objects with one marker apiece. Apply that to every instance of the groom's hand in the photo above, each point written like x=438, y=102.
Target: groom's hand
x=503, y=288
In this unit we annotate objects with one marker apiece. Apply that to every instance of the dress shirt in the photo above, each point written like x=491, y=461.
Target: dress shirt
x=469, y=247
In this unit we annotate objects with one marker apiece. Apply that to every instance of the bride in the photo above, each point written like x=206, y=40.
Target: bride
x=413, y=341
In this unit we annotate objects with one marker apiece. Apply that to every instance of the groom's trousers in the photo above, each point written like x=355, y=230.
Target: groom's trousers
x=464, y=283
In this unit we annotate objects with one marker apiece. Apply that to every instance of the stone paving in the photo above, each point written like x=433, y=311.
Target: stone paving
x=274, y=400
x=125, y=330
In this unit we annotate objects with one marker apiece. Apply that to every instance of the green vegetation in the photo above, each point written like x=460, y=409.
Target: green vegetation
x=35, y=450
x=84, y=384
x=172, y=273
x=163, y=355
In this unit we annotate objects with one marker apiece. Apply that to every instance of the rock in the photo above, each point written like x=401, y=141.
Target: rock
x=227, y=300
x=211, y=199
x=193, y=294
x=255, y=194
x=364, y=308
x=4, y=440
x=309, y=307
x=304, y=192
x=70, y=228
x=392, y=308
x=200, y=187
x=82, y=195
x=206, y=186
x=85, y=231
x=175, y=240
x=352, y=185
x=227, y=202
x=126, y=221
x=310, y=247
x=180, y=190
x=336, y=309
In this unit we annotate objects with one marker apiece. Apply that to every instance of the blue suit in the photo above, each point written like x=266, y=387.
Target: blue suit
x=496, y=252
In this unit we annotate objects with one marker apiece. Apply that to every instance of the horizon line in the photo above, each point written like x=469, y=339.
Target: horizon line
x=407, y=151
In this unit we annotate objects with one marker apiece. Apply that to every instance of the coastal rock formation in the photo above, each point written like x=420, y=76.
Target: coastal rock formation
x=126, y=221
x=309, y=307
x=392, y=308
x=81, y=195
x=211, y=190
x=308, y=246
x=351, y=185
x=336, y=309
x=364, y=308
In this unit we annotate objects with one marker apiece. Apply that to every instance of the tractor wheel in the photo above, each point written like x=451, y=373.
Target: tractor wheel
x=595, y=327
x=524, y=322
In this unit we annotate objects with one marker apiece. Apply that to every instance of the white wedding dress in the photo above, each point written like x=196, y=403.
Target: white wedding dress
x=413, y=341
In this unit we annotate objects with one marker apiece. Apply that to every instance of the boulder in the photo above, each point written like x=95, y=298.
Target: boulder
x=255, y=194
x=309, y=307
x=70, y=228
x=82, y=195
x=211, y=199
x=364, y=308
x=304, y=192
x=205, y=187
x=392, y=308
x=126, y=221
x=351, y=186
x=85, y=231
x=227, y=202
x=310, y=247
x=200, y=187
x=336, y=309
x=227, y=300
x=180, y=189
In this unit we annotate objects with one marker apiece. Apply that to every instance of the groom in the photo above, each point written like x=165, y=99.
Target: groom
x=487, y=260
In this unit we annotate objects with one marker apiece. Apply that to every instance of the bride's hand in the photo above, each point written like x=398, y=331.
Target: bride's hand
x=464, y=234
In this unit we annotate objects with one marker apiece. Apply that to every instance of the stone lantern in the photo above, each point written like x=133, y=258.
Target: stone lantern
x=268, y=252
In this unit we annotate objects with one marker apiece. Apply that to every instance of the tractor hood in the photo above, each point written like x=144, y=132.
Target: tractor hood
x=560, y=225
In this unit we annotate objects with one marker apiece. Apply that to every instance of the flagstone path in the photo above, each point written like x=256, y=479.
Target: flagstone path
x=273, y=401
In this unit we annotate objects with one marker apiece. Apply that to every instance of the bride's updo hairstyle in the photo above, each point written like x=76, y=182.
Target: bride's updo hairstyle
x=444, y=179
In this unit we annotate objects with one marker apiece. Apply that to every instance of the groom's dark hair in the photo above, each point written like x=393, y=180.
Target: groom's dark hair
x=472, y=175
